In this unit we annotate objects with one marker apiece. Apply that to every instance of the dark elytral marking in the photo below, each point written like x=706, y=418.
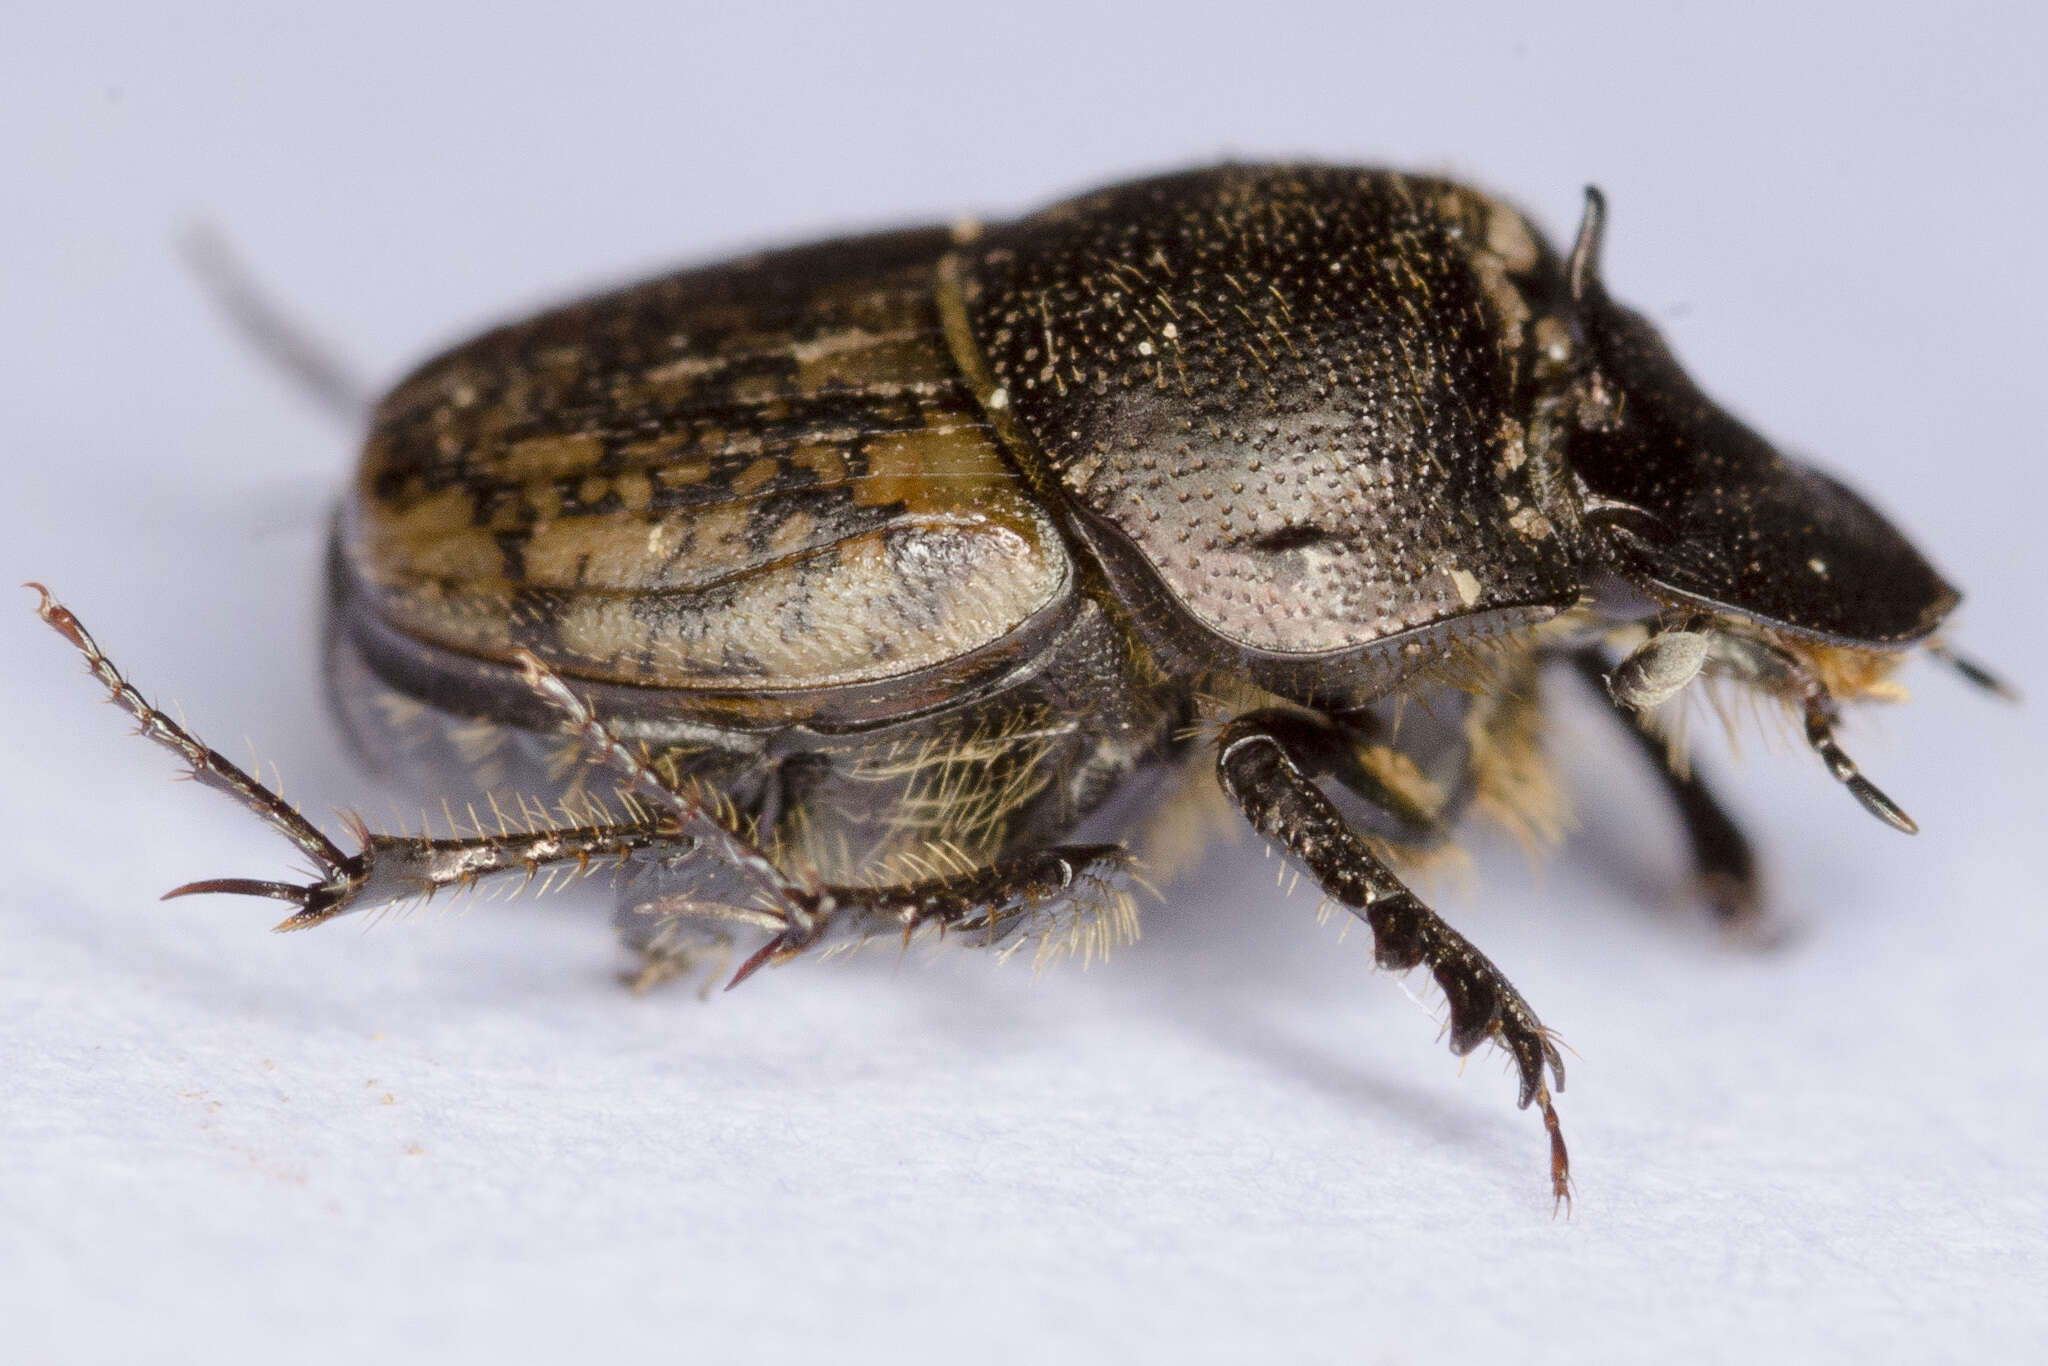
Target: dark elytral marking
x=1258, y=771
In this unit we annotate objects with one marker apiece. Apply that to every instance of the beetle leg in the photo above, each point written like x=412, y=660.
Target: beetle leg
x=395, y=868
x=1258, y=769
x=990, y=903
x=640, y=783
x=1795, y=683
x=1721, y=855
x=207, y=766
x=1323, y=750
x=993, y=900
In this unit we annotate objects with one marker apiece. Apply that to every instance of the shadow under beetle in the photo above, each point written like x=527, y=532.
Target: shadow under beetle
x=891, y=582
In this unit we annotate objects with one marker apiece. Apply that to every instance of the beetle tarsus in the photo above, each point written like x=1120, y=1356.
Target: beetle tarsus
x=387, y=868
x=1261, y=775
x=205, y=765
x=1560, y=1159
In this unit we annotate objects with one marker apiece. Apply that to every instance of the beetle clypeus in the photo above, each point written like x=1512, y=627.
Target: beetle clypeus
x=890, y=582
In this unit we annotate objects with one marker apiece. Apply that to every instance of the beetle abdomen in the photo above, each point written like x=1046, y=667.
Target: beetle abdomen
x=765, y=476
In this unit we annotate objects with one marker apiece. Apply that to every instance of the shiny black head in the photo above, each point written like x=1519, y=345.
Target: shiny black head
x=1742, y=564
x=1699, y=511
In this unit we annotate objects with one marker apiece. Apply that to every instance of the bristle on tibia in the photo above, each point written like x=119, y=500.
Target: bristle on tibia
x=1095, y=916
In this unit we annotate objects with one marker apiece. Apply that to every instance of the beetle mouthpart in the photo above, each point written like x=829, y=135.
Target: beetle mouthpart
x=1973, y=672
x=1820, y=734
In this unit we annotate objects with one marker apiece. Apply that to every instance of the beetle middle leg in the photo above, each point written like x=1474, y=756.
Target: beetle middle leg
x=989, y=904
x=1723, y=861
x=1264, y=762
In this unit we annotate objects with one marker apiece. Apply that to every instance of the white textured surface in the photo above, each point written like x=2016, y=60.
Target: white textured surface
x=455, y=1138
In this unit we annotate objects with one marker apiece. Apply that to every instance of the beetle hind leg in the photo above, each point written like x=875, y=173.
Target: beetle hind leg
x=209, y=768
x=1258, y=768
x=660, y=821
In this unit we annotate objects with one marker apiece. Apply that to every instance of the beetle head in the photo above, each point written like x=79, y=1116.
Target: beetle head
x=1747, y=564
x=1700, y=512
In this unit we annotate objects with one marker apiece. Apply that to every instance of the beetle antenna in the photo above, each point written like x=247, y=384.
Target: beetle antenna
x=1583, y=271
x=308, y=362
x=1974, y=672
x=1659, y=669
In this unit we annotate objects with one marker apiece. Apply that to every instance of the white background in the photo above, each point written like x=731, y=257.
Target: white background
x=455, y=1137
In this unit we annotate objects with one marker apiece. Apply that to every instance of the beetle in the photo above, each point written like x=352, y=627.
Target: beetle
x=926, y=580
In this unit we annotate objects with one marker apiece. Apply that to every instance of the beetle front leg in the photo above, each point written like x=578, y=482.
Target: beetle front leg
x=1723, y=861
x=1258, y=770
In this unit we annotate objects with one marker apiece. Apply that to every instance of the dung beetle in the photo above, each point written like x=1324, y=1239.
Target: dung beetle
x=901, y=582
